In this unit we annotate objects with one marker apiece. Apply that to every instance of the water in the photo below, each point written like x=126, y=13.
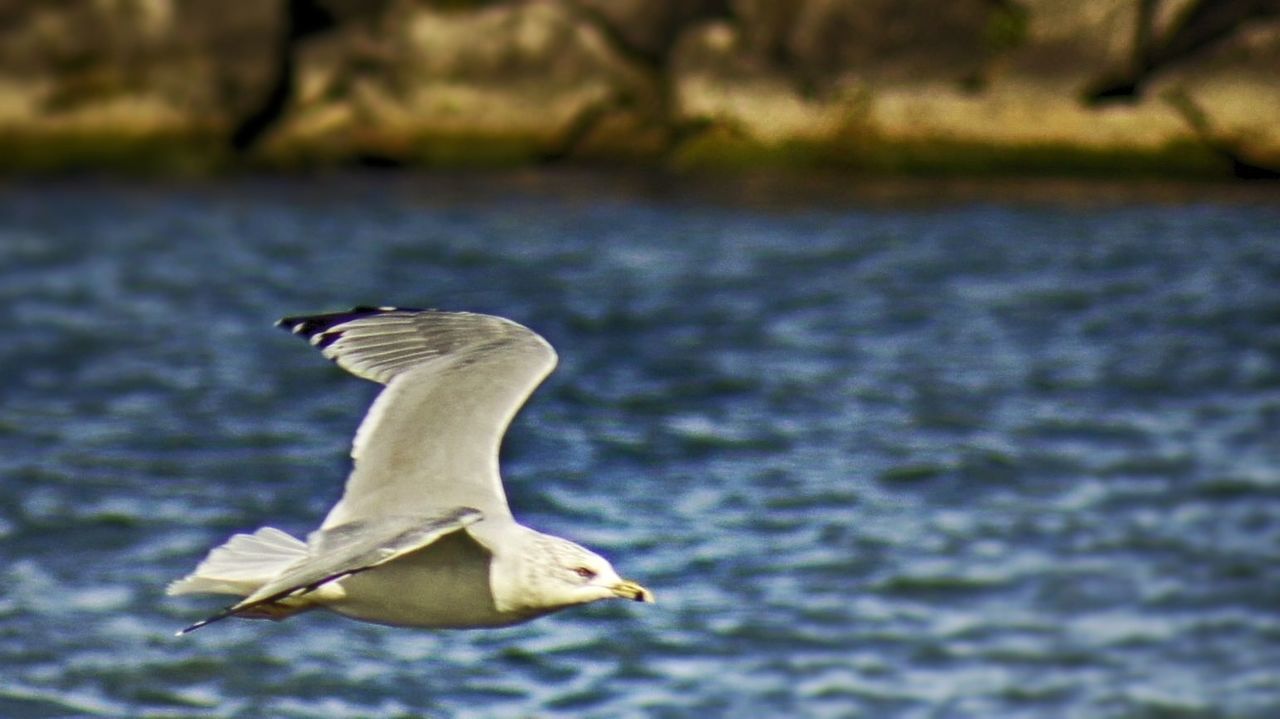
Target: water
x=960, y=458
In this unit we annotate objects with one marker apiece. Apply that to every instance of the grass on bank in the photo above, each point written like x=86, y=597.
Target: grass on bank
x=206, y=154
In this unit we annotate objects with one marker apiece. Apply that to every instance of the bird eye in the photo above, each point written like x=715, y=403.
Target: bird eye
x=585, y=573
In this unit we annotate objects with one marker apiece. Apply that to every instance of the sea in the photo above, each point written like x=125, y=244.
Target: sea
x=919, y=449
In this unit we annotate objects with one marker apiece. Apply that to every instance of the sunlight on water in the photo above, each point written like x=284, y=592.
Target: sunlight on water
x=915, y=459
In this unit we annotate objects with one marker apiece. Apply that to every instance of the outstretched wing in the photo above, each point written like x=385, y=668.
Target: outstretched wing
x=454, y=382
x=347, y=549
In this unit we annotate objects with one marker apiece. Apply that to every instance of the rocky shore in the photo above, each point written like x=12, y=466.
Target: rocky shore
x=1093, y=87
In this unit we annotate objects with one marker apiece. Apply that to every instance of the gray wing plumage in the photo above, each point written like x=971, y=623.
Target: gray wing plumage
x=454, y=381
x=333, y=554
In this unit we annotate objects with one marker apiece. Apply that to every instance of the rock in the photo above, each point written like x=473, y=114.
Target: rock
x=720, y=81
x=884, y=41
x=121, y=77
x=969, y=85
x=1230, y=98
x=647, y=30
x=998, y=85
x=502, y=83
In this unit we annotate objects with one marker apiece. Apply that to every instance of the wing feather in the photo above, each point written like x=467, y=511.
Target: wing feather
x=349, y=549
x=454, y=381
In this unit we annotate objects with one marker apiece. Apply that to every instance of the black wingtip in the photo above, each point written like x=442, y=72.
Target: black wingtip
x=316, y=329
x=308, y=325
x=229, y=611
x=187, y=630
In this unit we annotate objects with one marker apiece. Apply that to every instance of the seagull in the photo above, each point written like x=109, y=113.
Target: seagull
x=422, y=536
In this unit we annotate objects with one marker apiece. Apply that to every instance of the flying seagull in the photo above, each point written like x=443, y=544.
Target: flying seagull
x=422, y=536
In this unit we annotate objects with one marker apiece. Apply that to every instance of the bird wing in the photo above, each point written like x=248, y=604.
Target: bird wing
x=347, y=549
x=454, y=381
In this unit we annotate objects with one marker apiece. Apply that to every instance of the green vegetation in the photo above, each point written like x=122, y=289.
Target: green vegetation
x=167, y=154
x=935, y=157
x=467, y=150
x=1007, y=27
x=717, y=148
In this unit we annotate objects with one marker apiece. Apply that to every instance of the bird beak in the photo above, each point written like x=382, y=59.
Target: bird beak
x=630, y=590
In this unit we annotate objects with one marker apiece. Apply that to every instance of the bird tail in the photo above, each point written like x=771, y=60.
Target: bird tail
x=242, y=565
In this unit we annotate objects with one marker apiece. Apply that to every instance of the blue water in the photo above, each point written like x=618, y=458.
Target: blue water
x=905, y=457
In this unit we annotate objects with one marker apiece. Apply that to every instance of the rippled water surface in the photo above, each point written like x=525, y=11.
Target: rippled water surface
x=965, y=458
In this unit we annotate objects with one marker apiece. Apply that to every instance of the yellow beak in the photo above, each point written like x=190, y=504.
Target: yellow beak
x=630, y=590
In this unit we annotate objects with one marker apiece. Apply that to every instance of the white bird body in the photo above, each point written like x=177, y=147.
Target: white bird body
x=445, y=586
x=422, y=535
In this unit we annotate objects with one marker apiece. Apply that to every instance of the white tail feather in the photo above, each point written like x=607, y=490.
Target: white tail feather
x=243, y=564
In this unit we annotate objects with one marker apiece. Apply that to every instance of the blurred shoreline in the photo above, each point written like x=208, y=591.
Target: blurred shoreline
x=973, y=88
x=769, y=190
